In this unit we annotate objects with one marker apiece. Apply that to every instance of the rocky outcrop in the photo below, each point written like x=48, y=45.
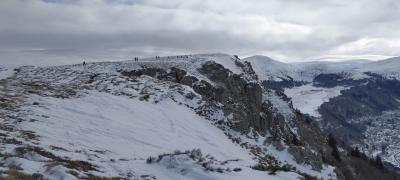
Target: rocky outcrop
x=173, y=74
x=189, y=80
x=241, y=98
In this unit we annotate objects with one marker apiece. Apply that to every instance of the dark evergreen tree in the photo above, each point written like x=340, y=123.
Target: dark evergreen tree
x=379, y=163
x=332, y=143
x=355, y=152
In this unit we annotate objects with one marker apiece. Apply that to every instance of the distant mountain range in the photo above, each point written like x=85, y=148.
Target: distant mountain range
x=269, y=69
x=358, y=100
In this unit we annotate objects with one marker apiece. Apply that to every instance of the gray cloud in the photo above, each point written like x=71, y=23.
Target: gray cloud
x=54, y=31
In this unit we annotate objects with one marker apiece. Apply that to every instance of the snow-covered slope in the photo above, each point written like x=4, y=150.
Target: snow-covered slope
x=273, y=70
x=389, y=68
x=269, y=69
x=118, y=134
x=77, y=121
x=6, y=71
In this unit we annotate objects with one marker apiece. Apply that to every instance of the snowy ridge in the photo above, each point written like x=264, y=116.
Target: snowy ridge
x=93, y=114
x=389, y=68
x=269, y=69
x=191, y=63
x=272, y=70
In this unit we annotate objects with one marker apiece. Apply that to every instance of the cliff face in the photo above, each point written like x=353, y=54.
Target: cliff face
x=241, y=98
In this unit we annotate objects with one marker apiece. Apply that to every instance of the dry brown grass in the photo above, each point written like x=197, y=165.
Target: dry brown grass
x=72, y=164
x=17, y=175
x=94, y=177
x=29, y=135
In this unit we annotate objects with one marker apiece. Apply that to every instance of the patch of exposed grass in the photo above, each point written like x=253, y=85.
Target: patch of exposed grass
x=57, y=148
x=72, y=164
x=273, y=168
x=5, y=155
x=29, y=135
x=13, y=174
x=10, y=141
x=307, y=176
x=94, y=177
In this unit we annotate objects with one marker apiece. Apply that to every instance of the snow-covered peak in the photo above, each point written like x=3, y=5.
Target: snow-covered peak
x=389, y=68
x=270, y=69
x=266, y=60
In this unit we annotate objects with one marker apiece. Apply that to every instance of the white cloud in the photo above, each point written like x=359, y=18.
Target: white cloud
x=389, y=47
x=288, y=29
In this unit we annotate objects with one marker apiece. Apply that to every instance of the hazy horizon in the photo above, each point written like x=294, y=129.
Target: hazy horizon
x=68, y=61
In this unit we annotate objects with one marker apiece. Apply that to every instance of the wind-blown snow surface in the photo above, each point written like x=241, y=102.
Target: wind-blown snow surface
x=308, y=98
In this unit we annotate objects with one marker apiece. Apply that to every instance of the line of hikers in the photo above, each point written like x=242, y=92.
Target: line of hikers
x=157, y=57
x=168, y=57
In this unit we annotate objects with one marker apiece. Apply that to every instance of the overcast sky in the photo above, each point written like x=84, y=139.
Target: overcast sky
x=54, y=31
